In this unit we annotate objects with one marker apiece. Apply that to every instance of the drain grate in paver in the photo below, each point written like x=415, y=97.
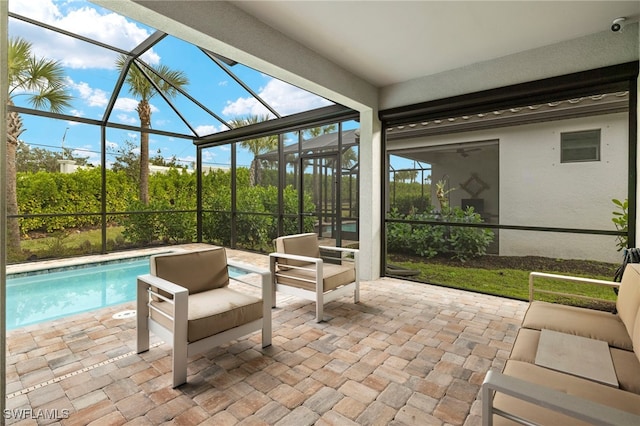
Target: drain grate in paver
x=124, y=314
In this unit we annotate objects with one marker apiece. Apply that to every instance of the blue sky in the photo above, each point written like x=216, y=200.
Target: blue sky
x=91, y=77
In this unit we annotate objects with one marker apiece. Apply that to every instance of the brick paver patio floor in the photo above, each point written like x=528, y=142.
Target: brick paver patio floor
x=407, y=354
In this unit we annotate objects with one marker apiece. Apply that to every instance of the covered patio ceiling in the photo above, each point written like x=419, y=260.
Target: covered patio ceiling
x=387, y=42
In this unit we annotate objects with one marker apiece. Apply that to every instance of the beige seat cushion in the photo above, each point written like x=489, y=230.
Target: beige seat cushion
x=333, y=277
x=301, y=245
x=590, y=323
x=196, y=271
x=566, y=383
x=214, y=311
x=625, y=362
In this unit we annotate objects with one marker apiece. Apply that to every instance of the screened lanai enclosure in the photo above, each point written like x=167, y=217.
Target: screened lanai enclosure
x=482, y=192
x=138, y=139
x=122, y=136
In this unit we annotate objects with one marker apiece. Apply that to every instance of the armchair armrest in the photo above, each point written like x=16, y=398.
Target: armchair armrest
x=149, y=280
x=568, y=278
x=339, y=256
x=179, y=301
x=265, y=278
x=342, y=249
x=297, y=257
x=570, y=405
x=315, y=265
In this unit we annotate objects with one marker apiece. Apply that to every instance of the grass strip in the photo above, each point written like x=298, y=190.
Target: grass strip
x=512, y=283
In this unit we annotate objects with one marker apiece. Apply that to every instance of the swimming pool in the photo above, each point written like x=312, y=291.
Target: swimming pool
x=36, y=297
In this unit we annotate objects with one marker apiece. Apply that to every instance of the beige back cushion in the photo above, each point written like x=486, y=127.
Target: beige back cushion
x=628, y=301
x=197, y=270
x=300, y=244
x=635, y=337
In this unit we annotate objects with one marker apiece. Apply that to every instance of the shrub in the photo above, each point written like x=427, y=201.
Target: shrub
x=142, y=226
x=429, y=240
x=621, y=221
x=468, y=242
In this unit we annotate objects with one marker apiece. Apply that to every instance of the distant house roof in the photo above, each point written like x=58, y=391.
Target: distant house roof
x=571, y=108
x=322, y=143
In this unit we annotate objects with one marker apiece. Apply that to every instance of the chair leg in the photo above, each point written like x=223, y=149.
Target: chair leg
x=356, y=293
x=319, y=292
x=179, y=366
x=272, y=269
x=180, y=339
x=142, y=318
x=319, y=310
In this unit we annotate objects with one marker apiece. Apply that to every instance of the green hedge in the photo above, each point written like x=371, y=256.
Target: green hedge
x=79, y=192
x=164, y=219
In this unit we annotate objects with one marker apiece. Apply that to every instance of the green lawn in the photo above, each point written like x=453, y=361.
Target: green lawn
x=67, y=244
x=513, y=283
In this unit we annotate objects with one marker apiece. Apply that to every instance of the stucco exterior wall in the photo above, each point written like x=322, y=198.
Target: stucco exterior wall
x=537, y=189
x=530, y=187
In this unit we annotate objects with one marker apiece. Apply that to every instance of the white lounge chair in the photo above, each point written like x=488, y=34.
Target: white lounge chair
x=186, y=301
x=298, y=268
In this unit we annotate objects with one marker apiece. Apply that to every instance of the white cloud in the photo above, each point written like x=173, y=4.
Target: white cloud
x=205, y=130
x=130, y=105
x=283, y=97
x=209, y=129
x=99, y=24
x=92, y=97
x=75, y=113
x=125, y=104
x=42, y=10
x=127, y=119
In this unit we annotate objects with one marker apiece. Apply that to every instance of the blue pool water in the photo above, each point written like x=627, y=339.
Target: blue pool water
x=37, y=297
x=346, y=227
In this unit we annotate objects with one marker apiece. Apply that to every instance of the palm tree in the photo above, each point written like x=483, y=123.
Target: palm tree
x=255, y=146
x=43, y=82
x=168, y=81
x=314, y=132
x=349, y=158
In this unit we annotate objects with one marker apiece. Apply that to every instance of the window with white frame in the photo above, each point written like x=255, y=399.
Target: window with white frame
x=576, y=147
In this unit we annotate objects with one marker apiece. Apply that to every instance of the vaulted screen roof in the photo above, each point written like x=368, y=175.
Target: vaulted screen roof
x=99, y=49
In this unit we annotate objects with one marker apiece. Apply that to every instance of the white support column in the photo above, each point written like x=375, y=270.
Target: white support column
x=370, y=194
x=4, y=90
x=637, y=218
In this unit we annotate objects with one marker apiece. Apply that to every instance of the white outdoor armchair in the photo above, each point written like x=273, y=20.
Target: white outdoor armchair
x=298, y=268
x=187, y=302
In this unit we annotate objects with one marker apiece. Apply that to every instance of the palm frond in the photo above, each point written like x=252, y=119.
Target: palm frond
x=41, y=80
